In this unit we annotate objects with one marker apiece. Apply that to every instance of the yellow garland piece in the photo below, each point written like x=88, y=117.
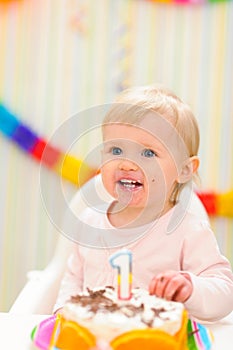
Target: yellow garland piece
x=74, y=170
x=225, y=204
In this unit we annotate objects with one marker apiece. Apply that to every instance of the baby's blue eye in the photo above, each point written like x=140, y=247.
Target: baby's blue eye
x=116, y=151
x=148, y=153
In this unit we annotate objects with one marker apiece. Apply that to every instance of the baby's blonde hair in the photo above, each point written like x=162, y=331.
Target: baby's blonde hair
x=134, y=103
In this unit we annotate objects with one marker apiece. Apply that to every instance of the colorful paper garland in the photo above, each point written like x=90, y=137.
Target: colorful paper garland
x=68, y=166
x=52, y=157
x=187, y=2
x=217, y=204
x=8, y=1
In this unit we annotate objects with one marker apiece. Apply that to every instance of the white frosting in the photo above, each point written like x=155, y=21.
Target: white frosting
x=108, y=324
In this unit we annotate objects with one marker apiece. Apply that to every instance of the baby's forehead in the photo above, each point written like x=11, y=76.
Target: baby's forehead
x=151, y=130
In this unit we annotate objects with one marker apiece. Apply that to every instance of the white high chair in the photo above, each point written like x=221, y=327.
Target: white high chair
x=39, y=294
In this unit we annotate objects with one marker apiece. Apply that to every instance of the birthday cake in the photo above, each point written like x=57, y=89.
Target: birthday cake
x=144, y=321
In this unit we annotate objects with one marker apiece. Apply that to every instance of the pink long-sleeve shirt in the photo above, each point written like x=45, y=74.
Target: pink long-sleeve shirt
x=189, y=247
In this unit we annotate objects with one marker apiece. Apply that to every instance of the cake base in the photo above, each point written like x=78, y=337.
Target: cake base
x=70, y=335
x=150, y=339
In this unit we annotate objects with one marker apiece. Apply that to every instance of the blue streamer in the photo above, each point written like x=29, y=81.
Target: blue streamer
x=25, y=138
x=8, y=122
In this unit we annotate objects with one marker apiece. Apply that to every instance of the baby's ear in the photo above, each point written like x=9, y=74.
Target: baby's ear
x=189, y=168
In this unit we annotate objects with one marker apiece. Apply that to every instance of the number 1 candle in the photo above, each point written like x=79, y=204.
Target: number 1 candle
x=122, y=260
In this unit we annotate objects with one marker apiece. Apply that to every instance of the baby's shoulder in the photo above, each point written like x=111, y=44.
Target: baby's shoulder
x=181, y=219
x=194, y=225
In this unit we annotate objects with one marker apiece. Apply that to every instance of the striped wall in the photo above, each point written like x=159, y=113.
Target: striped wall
x=58, y=57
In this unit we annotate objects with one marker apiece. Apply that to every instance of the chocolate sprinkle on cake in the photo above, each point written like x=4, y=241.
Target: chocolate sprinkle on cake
x=97, y=301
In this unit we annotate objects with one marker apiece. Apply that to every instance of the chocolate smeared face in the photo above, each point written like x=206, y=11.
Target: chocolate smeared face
x=137, y=169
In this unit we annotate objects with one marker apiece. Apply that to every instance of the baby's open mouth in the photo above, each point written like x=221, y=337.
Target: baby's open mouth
x=130, y=184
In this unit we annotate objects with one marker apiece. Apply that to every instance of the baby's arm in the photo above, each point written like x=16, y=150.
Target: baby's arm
x=205, y=280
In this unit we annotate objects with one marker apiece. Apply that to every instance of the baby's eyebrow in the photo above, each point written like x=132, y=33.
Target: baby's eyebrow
x=117, y=142
x=113, y=142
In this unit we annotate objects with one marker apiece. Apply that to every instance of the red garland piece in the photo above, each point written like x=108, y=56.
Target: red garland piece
x=47, y=154
x=209, y=200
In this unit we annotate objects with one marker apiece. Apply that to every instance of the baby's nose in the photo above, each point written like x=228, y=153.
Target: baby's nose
x=127, y=165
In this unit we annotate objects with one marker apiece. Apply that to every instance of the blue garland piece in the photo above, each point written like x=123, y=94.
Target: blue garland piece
x=11, y=127
x=25, y=138
x=8, y=122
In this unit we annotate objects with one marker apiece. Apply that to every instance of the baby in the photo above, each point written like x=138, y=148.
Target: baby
x=149, y=158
